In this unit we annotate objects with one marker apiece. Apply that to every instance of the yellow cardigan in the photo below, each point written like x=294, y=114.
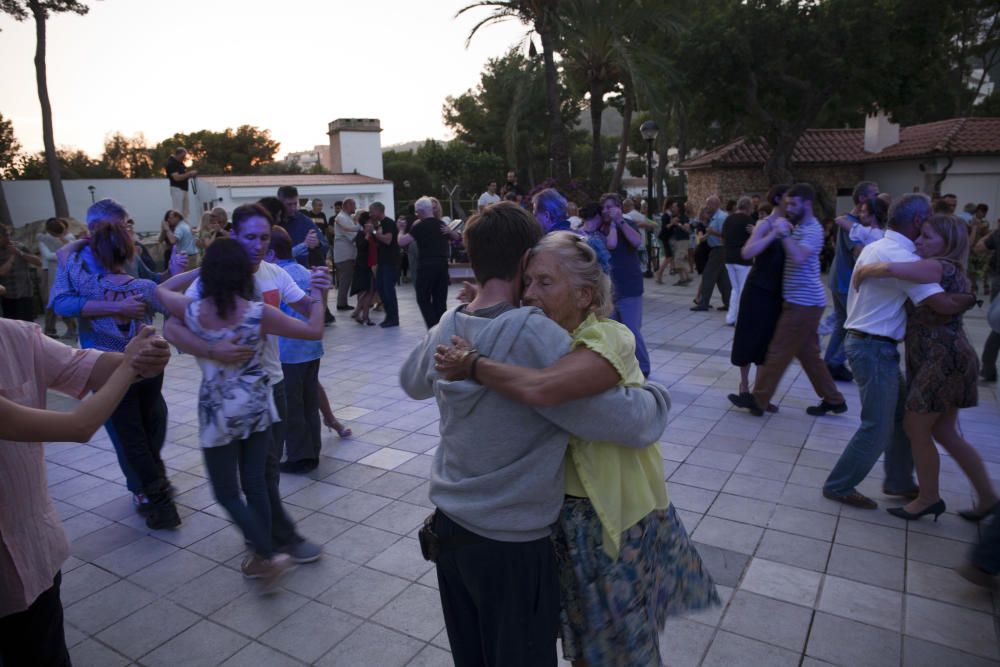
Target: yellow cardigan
x=623, y=484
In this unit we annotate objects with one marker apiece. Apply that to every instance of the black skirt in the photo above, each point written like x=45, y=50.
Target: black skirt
x=759, y=312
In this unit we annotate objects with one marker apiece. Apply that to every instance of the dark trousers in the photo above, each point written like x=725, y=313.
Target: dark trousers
x=992, y=346
x=715, y=274
x=432, y=292
x=385, y=283
x=35, y=636
x=19, y=309
x=139, y=425
x=302, y=427
x=282, y=527
x=500, y=600
x=986, y=554
x=249, y=458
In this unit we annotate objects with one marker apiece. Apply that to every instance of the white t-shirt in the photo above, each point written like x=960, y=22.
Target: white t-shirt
x=486, y=199
x=575, y=222
x=865, y=235
x=878, y=307
x=272, y=285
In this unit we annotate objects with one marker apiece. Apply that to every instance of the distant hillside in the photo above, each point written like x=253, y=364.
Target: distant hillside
x=406, y=146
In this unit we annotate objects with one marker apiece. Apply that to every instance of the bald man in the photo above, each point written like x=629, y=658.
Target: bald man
x=715, y=269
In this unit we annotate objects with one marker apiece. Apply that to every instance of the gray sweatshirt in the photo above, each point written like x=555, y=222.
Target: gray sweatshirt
x=498, y=470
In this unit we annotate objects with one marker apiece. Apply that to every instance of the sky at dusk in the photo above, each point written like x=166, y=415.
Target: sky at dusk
x=165, y=66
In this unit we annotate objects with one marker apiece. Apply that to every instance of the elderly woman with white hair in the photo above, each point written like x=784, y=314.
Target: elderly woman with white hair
x=625, y=559
x=432, y=237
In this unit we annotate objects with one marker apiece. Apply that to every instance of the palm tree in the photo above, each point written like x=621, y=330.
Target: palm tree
x=542, y=17
x=39, y=10
x=613, y=50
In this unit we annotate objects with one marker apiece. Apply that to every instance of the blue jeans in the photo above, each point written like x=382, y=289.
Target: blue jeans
x=131, y=479
x=628, y=311
x=876, y=370
x=385, y=283
x=249, y=458
x=835, y=346
x=282, y=527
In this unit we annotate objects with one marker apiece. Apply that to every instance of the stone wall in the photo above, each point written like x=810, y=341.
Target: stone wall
x=733, y=183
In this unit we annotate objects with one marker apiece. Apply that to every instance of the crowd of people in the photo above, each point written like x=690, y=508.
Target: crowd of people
x=552, y=515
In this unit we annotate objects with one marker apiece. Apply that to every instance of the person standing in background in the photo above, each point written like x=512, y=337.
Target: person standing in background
x=179, y=177
x=344, y=251
x=15, y=276
x=55, y=237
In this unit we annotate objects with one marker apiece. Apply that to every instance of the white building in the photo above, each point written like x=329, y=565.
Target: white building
x=354, y=152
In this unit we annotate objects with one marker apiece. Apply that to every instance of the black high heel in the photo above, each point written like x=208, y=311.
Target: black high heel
x=937, y=509
x=976, y=517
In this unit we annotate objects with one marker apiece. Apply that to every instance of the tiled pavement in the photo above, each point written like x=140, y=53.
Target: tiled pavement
x=804, y=581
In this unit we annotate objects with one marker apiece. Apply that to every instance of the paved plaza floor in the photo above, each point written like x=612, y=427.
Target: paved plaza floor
x=804, y=581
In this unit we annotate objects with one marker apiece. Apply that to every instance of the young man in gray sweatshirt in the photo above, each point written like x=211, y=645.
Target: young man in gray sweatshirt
x=497, y=476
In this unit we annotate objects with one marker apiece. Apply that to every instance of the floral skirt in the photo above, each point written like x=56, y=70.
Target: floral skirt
x=613, y=611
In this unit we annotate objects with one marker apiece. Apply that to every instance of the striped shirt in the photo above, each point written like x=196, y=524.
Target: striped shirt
x=801, y=283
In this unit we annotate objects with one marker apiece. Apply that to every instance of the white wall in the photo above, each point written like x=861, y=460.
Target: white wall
x=361, y=151
x=146, y=199
x=971, y=179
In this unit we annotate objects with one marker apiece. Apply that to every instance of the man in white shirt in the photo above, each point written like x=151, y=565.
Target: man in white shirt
x=876, y=322
x=344, y=251
x=489, y=197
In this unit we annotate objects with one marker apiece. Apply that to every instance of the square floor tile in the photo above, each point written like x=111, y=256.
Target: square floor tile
x=817, y=525
x=111, y=604
x=683, y=643
x=840, y=641
x=945, y=585
x=387, y=458
x=868, y=567
x=310, y=632
x=213, y=589
x=364, y=592
x=936, y=550
x=729, y=649
x=727, y=534
x=690, y=497
x=957, y=627
x=743, y=510
x=415, y=612
x=258, y=655
x=862, y=602
x=920, y=653
x=253, y=614
x=372, y=644
x=891, y=541
x=794, y=550
x=172, y=571
x=782, y=582
x=398, y=517
x=142, y=631
x=90, y=653
x=768, y=620
x=203, y=645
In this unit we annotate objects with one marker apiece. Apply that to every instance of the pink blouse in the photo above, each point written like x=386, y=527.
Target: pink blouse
x=33, y=546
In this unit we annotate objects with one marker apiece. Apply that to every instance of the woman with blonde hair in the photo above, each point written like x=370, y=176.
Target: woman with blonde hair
x=625, y=559
x=941, y=369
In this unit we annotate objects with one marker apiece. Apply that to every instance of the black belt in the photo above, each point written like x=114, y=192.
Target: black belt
x=862, y=334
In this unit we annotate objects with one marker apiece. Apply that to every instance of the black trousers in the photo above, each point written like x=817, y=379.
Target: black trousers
x=302, y=426
x=992, y=346
x=282, y=527
x=19, y=309
x=715, y=274
x=35, y=636
x=140, y=425
x=432, y=292
x=500, y=600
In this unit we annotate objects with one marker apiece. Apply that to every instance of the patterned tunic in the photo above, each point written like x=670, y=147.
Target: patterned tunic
x=233, y=401
x=941, y=365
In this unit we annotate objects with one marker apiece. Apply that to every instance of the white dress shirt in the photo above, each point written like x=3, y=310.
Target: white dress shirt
x=878, y=307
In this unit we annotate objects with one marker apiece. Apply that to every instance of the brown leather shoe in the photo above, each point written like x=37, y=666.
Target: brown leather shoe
x=909, y=494
x=854, y=499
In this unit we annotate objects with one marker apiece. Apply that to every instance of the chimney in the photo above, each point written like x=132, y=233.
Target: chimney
x=355, y=146
x=880, y=132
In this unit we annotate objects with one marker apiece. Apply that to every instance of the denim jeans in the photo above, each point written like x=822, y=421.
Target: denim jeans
x=992, y=346
x=835, y=355
x=385, y=283
x=628, y=311
x=248, y=457
x=880, y=383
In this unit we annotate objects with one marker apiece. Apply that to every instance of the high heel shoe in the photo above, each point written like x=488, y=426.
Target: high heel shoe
x=937, y=509
x=976, y=517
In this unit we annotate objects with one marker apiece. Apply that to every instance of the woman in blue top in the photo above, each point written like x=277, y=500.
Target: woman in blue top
x=624, y=242
x=139, y=423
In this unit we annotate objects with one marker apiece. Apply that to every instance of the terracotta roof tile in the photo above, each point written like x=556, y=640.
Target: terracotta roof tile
x=957, y=136
x=297, y=179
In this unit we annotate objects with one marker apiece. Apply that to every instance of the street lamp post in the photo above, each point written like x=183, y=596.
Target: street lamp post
x=92, y=191
x=649, y=130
